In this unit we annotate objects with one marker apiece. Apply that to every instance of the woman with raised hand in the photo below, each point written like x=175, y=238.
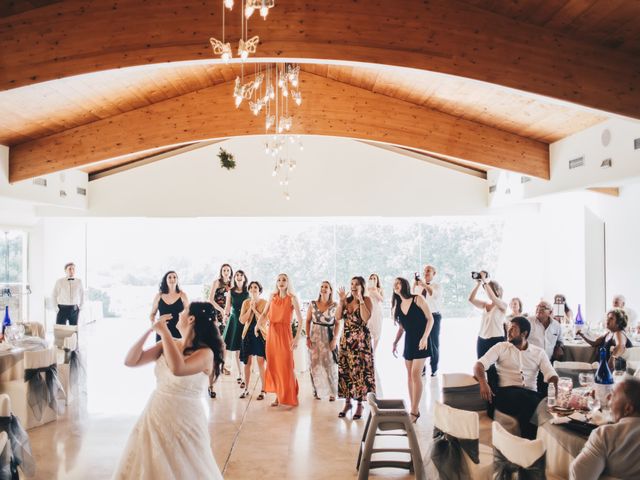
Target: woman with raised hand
x=171, y=438
x=321, y=342
x=376, y=294
x=415, y=321
x=356, y=375
x=169, y=300
x=253, y=338
x=280, y=377
x=233, y=332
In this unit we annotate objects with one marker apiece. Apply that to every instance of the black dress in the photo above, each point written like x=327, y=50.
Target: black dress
x=174, y=309
x=414, y=324
x=252, y=344
x=609, y=344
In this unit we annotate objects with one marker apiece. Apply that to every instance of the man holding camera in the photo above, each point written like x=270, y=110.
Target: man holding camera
x=432, y=292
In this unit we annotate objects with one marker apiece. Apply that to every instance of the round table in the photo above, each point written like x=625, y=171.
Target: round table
x=579, y=352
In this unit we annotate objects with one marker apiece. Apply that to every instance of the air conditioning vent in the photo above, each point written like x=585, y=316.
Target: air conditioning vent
x=492, y=189
x=507, y=191
x=63, y=194
x=606, y=163
x=636, y=144
x=576, y=162
x=81, y=191
x=42, y=182
x=525, y=179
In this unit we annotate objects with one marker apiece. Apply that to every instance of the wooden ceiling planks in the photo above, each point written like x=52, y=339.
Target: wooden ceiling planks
x=447, y=36
x=330, y=108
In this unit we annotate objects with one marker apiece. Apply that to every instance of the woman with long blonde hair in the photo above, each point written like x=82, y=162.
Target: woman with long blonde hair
x=280, y=377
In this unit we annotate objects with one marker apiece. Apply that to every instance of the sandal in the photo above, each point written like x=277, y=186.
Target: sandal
x=275, y=403
x=358, y=414
x=261, y=396
x=226, y=371
x=212, y=393
x=239, y=380
x=415, y=415
x=332, y=398
x=344, y=411
x=243, y=385
x=244, y=394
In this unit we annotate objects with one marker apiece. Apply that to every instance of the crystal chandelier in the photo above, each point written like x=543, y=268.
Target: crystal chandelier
x=246, y=46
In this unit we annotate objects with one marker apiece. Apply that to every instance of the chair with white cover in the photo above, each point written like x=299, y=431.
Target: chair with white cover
x=632, y=354
x=68, y=367
x=60, y=332
x=456, y=451
x=518, y=458
x=34, y=329
x=16, y=450
x=34, y=398
x=461, y=390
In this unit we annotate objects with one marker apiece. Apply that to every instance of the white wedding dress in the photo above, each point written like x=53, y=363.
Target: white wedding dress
x=171, y=439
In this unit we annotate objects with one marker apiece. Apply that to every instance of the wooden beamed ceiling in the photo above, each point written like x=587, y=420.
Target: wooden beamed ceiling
x=448, y=36
x=330, y=108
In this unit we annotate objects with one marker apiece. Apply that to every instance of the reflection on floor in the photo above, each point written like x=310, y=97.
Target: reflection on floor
x=249, y=438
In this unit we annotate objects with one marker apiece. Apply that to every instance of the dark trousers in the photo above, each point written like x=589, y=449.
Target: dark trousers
x=434, y=336
x=482, y=346
x=520, y=403
x=67, y=312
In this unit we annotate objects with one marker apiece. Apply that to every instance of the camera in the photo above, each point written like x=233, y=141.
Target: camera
x=416, y=276
x=476, y=275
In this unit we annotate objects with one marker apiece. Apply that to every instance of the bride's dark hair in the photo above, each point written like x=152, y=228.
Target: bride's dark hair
x=206, y=333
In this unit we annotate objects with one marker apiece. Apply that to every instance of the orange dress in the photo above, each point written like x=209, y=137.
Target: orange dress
x=280, y=377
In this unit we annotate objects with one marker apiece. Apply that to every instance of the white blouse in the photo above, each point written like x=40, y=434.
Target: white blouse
x=492, y=322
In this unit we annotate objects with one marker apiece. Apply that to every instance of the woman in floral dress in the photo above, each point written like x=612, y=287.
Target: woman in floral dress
x=356, y=376
x=321, y=342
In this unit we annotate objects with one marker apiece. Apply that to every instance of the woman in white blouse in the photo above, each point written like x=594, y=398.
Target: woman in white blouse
x=493, y=314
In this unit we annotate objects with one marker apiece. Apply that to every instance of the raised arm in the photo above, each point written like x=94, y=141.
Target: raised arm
x=245, y=311
x=472, y=297
x=497, y=301
x=200, y=361
x=262, y=319
x=365, y=307
x=137, y=356
x=154, y=307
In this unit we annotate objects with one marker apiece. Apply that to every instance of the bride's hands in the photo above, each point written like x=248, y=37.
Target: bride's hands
x=160, y=324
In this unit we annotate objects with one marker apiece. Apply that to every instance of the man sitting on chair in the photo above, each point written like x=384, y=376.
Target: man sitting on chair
x=614, y=450
x=518, y=363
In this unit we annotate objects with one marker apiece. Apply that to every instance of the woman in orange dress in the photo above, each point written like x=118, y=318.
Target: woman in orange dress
x=279, y=376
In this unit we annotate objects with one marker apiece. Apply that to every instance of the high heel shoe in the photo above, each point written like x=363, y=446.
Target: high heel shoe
x=415, y=416
x=244, y=394
x=358, y=414
x=212, y=393
x=344, y=411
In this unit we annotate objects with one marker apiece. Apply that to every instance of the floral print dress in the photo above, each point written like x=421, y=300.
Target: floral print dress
x=356, y=376
x=324, y=362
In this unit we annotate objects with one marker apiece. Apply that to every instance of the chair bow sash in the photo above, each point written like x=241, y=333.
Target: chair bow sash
x=447, y=454
x=503, y=469
x=42, y=391
x=17, y=452
x=75, y=366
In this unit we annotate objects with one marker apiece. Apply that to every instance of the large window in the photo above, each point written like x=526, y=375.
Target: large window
x=127, y=258
x=13, y=267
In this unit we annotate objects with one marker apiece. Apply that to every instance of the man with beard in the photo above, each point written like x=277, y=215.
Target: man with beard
x=518, y=363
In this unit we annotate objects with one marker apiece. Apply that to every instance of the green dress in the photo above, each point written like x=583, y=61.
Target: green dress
x=233, y=331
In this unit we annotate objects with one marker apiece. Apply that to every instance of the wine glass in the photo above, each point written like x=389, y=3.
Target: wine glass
x=618, y=376
x=593, y=402
x=586, y=379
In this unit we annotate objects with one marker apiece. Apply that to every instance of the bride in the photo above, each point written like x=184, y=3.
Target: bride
x=171, y=438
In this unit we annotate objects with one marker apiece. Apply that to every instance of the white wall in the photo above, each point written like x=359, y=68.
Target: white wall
x=334, y=177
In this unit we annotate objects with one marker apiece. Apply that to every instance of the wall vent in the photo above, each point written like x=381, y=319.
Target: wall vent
x=636, y=144
x=492, y=188
x=507, y=191
x=63, y=194
x=81, y=191
x=42, y=182
x=606, y=163
x=576, y=162
x=525, y=179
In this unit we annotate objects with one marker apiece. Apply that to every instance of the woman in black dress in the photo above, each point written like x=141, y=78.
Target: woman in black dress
x=615, y=341
x=414, y=319
x=169, y=300
x=253, y=338
x=233, y=331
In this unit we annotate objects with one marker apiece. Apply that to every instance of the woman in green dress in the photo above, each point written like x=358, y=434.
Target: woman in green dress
x=233, y=331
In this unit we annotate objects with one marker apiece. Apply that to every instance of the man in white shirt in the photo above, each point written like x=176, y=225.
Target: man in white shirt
x=620, y=302
x=68, y=295
x=518, y=363
x=432, y=292
x=613, y=450
x=546, y=333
